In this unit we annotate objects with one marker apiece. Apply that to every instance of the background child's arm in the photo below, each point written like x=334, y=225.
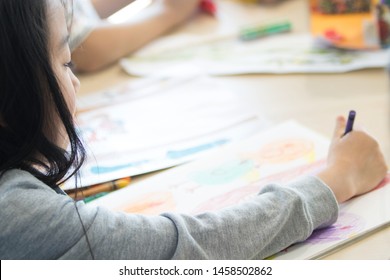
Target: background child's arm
x=108, y=42
x=106, y=8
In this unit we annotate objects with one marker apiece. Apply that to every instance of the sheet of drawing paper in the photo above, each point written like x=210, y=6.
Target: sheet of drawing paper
x=232, y=174
x=237, y=172
x=287, y=53
x=357, y=217
x=127, y=91
x=160, y=130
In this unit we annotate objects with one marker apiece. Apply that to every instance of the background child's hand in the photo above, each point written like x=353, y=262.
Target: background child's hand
x=355, y=163
x=181, y=9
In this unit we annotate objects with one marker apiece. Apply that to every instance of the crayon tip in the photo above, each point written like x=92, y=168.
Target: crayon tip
x=121, y=183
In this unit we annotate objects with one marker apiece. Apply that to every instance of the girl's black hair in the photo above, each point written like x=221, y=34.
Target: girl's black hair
x=30, y=97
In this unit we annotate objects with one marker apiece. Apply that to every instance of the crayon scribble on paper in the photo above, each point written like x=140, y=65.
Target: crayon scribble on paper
x=346, y=226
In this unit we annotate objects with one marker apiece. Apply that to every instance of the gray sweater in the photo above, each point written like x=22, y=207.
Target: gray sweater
x=38, y=223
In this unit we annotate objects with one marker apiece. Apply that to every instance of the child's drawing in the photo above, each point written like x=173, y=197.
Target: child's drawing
x=224, y=174
x=347, y=226
x=269, y=55
x=149, y=132
x=239, y=171
x=273, y=157
x=285, y=150
x=246, y=192
x=100, y=128
x=152, y=203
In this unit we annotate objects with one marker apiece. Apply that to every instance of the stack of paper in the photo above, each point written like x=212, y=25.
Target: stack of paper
x=127, y=136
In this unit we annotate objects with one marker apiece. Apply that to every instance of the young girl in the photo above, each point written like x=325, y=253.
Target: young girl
x=96, y=43
x=38, y=221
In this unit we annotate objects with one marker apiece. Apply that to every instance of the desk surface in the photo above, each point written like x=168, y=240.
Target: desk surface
x=312, y=99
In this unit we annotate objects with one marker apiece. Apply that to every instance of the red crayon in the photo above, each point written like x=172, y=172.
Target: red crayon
x=208, y=6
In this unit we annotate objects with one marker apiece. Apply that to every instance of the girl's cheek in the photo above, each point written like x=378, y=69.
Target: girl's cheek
x=69, y=89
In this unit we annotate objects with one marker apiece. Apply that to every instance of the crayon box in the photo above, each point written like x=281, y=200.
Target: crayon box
x=351, y=24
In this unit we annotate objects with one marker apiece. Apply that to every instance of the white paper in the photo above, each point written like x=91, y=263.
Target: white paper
x=160, y=129
x=237, y=172
x=286, y=53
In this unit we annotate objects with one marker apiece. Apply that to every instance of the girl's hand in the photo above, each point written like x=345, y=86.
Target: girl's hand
x=355, y=163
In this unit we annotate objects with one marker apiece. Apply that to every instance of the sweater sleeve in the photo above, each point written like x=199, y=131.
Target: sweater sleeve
x=278, y=217
x=44, y=225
